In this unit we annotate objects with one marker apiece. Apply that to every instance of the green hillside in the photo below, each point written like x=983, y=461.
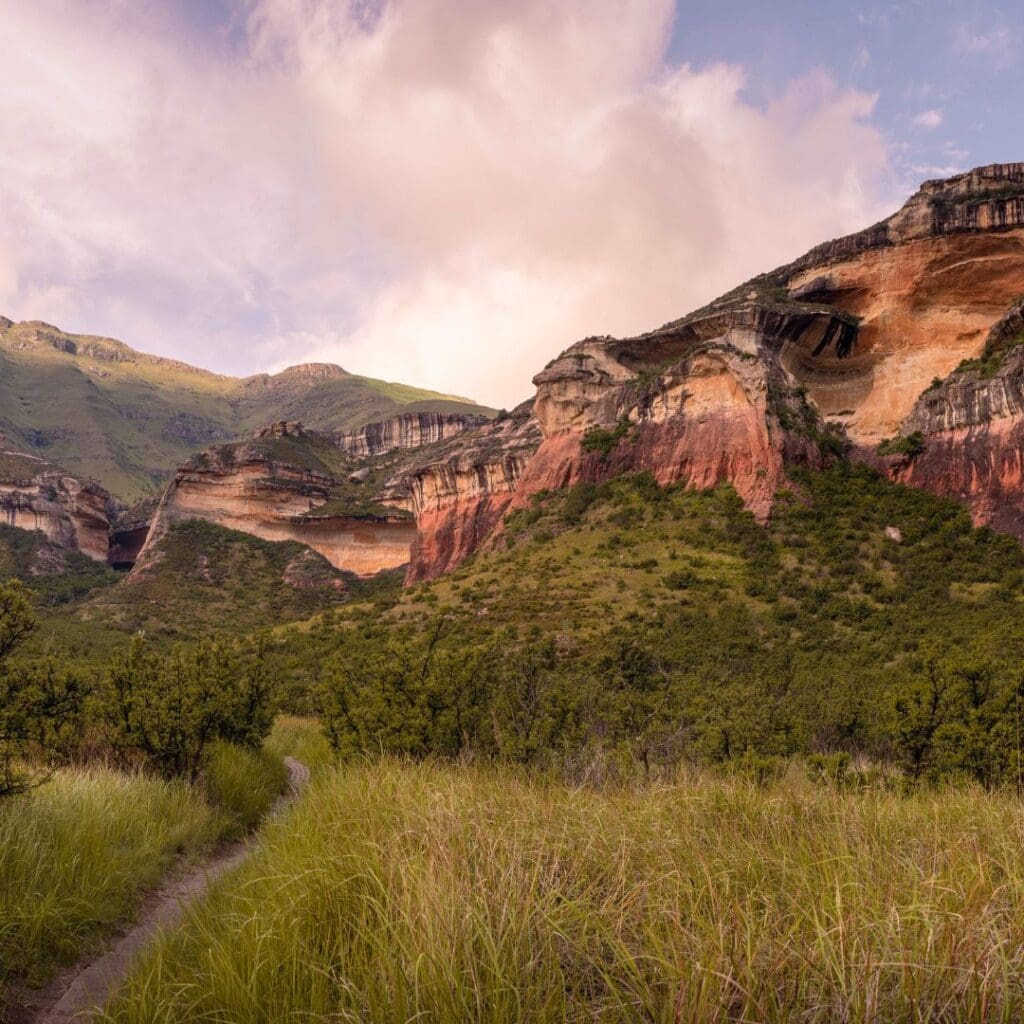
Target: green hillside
x=214, y=581
x=102, y=410
x=664, y=625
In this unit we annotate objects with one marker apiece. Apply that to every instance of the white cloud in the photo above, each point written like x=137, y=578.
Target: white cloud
x=432, y=191
x=929, y=119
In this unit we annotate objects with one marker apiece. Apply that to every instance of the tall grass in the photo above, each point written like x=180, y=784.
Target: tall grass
x=301, y=738
x=241, y=785
x=397, y=892
x=77, y=854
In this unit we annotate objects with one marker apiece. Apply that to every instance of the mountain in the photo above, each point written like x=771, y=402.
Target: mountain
x=98, y=409
x=898, y=347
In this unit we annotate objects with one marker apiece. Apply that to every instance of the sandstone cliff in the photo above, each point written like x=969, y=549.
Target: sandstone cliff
x=410, y=430
x=286, y=484
x=830, y=352
x=460, y=491
x=969, y=431
x=34, y=495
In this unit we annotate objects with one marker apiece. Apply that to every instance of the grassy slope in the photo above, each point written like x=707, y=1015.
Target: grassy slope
x=128, y=421
x=793, y=639
x=214, y=580
x=56, y=577
x=448, y=894
x=77, y=854
x=823, y=576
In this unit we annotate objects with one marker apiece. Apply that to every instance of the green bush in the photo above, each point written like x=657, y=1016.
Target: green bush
x=40, y=704
x=602, y=441
x=909, y=447
x=171, y=707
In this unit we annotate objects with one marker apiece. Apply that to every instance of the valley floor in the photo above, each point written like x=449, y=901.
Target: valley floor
x=396, y=891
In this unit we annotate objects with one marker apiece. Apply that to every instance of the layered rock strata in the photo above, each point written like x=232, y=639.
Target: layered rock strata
x=971, y=432
x=410, y=430
x=37, y=496
x=460, y=493
x=832, y=350
x=283, y=486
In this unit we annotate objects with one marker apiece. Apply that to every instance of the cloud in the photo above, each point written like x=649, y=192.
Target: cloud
x=437, y=192
x=929, y=119
x=997, y=43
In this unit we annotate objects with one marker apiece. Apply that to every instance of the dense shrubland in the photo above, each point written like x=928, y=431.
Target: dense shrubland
x=162, y=709
x=624, y=626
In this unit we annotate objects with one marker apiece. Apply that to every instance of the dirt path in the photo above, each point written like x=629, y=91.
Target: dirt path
x=86, y=986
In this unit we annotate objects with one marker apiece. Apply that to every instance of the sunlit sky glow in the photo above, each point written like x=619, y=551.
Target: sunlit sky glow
x=449, y=193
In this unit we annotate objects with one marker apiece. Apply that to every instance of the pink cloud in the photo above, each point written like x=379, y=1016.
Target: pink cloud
x=439, y=192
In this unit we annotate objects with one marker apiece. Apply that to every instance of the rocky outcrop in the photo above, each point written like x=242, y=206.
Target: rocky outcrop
x=284, y=485
x=460, y=493
x=410, y=430
x=37, y=496
x=831, y=351
x=971, y=430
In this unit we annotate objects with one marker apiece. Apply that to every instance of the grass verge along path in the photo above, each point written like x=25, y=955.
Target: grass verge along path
x=396, y=891
x=87, y=986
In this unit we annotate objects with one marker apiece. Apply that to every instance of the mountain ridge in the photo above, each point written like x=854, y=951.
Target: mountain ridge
x=100, y=409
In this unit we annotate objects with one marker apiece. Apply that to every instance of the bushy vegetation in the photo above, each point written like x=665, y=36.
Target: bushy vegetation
x=909, y=447
x=170, y=708
x=40, y=703
x=430, y=892
x=603, y=441
x=56, y=578
x=626, y=628
x=211, y=580
x=159, y=709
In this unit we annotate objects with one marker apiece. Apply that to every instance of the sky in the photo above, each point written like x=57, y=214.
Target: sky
x=450, y=192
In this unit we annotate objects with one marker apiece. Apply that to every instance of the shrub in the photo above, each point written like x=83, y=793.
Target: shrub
x=39, y=704
x=170, y=708
x=598, y=439
x=910, y=446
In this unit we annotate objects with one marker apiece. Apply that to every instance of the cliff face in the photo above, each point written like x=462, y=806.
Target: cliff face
x=411, y=430
x=971, y=428
x=36, y=496
x=832, y=350
x=460, y=493
x=284, y=485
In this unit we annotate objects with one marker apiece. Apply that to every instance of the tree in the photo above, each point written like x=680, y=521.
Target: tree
x=40, y=704
x=170, y=708
x=404, y=694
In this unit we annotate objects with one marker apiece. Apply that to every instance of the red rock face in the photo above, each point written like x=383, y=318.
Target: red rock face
x=853, y=332
x=981, y=466
x=447, y=535
x=461, y=494
x=971, y=429
x=712, y=416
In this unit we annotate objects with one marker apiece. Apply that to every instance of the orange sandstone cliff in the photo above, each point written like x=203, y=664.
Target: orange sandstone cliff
x=858, y=341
